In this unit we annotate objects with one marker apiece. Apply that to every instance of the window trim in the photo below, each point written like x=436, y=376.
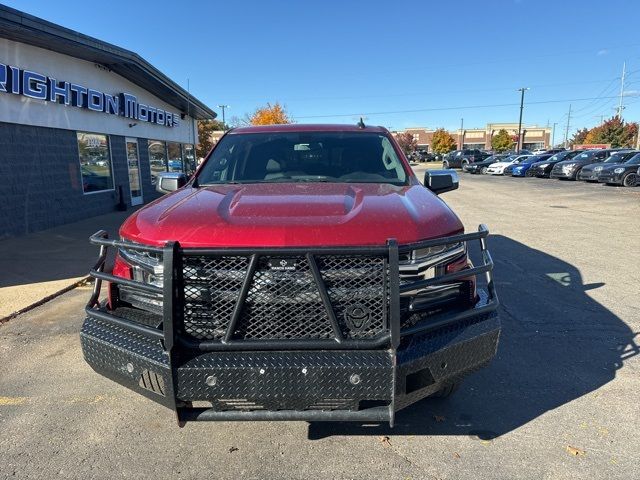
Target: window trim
x=113, y=180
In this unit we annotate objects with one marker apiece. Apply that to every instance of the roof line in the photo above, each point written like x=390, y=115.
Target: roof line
x=23, y=21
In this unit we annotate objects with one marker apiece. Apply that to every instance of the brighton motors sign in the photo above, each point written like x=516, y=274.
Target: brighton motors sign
x=14, y=80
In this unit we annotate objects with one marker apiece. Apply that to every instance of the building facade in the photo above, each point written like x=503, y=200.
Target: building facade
x=84, y=125
x=532, y=136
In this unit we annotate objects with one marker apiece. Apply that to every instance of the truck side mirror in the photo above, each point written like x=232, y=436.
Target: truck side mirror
x=168, y=182
x=441, y=181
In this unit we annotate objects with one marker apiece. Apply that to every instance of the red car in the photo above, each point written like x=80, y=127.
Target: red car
x=302, y=273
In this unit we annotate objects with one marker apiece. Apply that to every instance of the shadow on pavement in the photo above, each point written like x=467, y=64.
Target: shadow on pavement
x=59, y=253
x=557, y=344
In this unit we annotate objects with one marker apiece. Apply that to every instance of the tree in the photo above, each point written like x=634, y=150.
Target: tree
x=205, y=140
x=270, y=115
x=502, y=141
x=579, y=137
x=613, y=131
x=442, y=141
x=407, y=143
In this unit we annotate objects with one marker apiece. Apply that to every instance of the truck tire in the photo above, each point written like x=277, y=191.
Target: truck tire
x=630, y=180
x=446, y=391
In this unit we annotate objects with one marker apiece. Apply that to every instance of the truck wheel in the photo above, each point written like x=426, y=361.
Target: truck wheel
x=446, y=391
x=445, y=164
x=630, y=180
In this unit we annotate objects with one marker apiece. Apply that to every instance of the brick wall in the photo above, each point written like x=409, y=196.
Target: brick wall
x=40, y=183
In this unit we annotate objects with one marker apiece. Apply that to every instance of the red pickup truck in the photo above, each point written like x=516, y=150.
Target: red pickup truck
x=302, y=273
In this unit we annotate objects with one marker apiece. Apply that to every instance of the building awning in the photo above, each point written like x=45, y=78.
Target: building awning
x=24, y=28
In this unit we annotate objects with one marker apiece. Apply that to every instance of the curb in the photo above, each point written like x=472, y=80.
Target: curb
x=44, y=300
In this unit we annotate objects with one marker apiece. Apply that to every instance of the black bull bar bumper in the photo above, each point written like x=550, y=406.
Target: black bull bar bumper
x=330, y=379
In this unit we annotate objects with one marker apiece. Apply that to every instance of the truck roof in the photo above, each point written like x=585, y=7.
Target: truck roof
x=308, y=127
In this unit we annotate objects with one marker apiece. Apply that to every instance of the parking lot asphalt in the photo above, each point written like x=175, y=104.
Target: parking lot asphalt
x=560, y=400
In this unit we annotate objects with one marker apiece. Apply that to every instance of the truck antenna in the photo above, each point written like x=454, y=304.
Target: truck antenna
x=361, y=123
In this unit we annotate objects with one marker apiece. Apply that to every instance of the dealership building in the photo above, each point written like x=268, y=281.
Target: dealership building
x=532, y=136
x=84, y=125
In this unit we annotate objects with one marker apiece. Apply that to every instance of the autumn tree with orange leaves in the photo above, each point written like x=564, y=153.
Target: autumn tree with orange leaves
x=270, y=115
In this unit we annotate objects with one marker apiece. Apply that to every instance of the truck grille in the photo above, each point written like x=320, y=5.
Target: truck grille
x=283, y=300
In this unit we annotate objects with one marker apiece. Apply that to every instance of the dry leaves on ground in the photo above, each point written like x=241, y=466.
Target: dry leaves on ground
x=576, y=452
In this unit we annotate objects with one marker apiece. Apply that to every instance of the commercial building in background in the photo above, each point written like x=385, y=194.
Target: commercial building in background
x=84, y=125
x=533, y=136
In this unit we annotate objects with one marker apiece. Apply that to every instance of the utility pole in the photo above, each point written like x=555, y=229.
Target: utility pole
x=461, y=136
x=553, y=134
x=566, y=132
x=620, y=106
x=224, y=124
x=521, y=90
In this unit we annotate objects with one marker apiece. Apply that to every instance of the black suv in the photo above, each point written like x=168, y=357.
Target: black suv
x=460, y=158
x=569, y=169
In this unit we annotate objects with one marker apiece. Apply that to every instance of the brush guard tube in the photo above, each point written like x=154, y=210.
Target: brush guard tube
x=329, y=379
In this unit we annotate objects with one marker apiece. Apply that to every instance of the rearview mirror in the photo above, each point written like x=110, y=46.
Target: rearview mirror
x=441, y=181
x=168, y=182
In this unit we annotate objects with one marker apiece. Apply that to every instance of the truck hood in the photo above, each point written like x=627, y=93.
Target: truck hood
x=292, y=215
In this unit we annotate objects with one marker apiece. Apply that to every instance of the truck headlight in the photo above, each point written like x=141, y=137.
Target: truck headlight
x=618, y=170
x=146, y=267
x=422, y=263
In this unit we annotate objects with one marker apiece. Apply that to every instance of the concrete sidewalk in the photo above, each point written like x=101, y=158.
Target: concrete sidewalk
x=37, y=266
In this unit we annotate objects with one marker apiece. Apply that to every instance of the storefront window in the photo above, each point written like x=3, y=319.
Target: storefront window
x=157, y=158
x=95, y=162
x=189, y=159
x=175, y=157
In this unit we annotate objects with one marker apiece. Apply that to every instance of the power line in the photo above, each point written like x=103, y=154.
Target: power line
x=459, y=107
x=427, y=94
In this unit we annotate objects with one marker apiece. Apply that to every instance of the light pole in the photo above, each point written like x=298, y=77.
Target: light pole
x=224, y=124
x=521, y=90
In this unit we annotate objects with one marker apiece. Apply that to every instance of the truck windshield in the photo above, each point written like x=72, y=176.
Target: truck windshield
x=284, y=157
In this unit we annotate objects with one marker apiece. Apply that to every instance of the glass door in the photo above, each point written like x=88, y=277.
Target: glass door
x=133, y=163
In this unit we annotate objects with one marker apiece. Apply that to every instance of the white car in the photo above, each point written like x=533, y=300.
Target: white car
x=539, y=151
x=498, y=168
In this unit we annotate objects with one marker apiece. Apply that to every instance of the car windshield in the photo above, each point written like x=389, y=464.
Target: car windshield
x=287, y=157
x=533, y=159
x=635, y=160
x=616, y=158
x=560, y=156
x=586, y=155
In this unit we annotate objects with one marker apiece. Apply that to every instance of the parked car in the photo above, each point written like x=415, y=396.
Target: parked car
x=540, y=151
x=263, y=286
x=424, y=156
x=519, y=152
x=460, y=158
x=569, y=169
x=522, y=168
x=543, y=169
x=481, y=167
x=589, y=173
x=626, y=174
x=501, y=167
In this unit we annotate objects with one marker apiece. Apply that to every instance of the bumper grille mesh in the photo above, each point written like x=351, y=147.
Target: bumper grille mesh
x=285, y=304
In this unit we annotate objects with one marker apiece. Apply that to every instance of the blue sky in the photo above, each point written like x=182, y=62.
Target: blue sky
x=405, y=63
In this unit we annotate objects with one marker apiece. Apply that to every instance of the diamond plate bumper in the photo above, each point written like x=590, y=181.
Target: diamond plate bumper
x=326, y=379
x=292, y=385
